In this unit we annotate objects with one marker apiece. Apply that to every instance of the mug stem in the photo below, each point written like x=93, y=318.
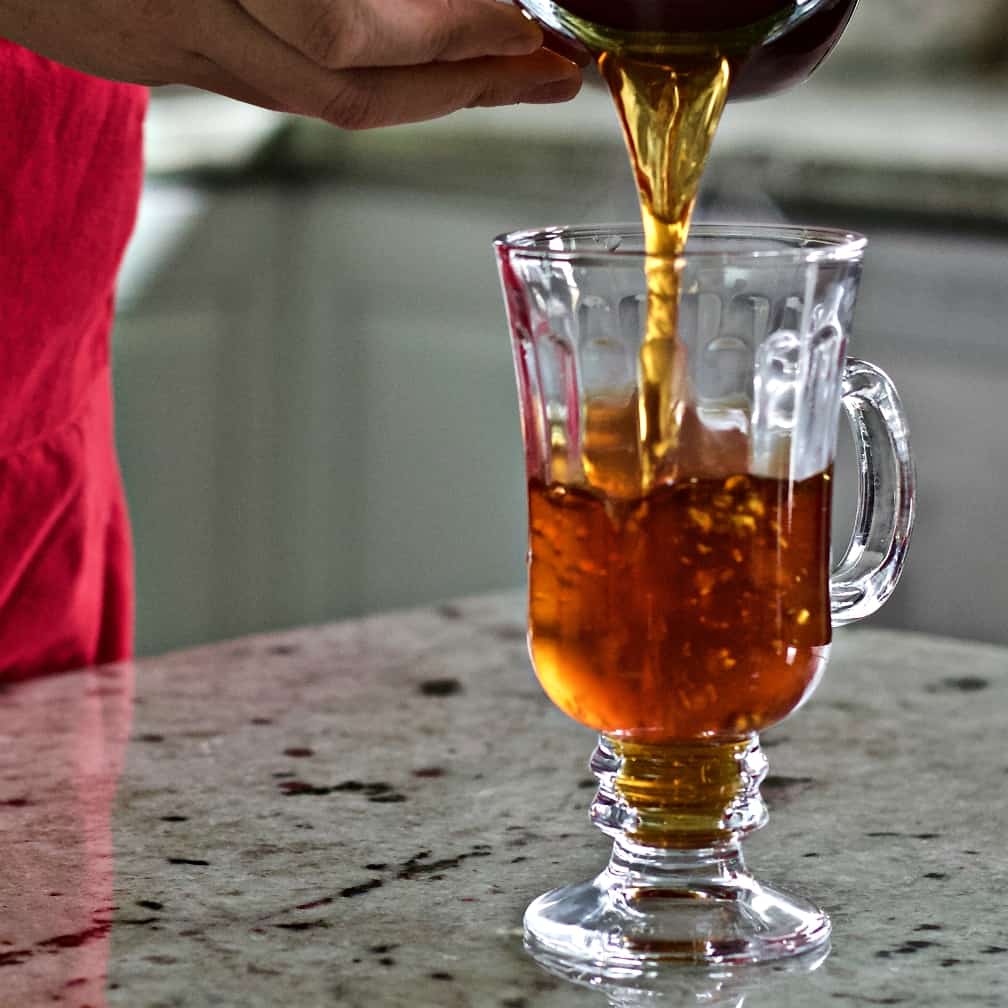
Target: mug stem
x=684, y=795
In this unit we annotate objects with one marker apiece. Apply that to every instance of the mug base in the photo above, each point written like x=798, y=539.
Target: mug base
x=615, y=931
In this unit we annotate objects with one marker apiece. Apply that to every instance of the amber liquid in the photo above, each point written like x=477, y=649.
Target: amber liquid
x=699, y=610
x=675, y=596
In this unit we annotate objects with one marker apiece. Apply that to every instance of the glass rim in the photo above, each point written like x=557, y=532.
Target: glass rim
x=803, y=244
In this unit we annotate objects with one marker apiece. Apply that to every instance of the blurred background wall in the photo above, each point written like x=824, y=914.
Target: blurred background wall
x=316, y=410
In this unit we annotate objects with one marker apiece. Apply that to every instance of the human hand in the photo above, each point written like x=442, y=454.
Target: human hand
x=354, y=63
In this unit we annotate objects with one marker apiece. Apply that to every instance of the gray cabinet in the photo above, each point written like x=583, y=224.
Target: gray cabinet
x=317, y=418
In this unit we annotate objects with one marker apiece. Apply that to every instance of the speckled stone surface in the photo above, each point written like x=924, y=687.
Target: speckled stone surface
x=357, y=815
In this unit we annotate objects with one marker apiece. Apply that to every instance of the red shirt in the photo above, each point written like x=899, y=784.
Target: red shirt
x=70, y=176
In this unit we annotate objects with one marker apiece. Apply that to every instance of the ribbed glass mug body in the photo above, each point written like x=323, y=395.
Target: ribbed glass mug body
x=691, y=602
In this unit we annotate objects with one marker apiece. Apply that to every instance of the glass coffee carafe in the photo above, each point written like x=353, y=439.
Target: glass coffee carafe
x=771, y=44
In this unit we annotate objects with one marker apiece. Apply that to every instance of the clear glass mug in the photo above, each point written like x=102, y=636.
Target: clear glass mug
x=680, y=602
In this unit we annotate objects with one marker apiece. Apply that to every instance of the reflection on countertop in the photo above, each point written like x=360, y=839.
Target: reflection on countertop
x=63, y=743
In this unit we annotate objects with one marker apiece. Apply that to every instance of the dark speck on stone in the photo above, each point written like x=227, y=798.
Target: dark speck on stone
x=76, y=938
x=387, y=961
x=281, y=774
x=283, y=649
x=431, y=771
x=926, y=836
x=198, y=862
x=150, y=737
x=907, y=948
x=15, y=803
x=883, y=833
x=779, y=782
x=304, y=925
x=440, y=687
x=994, y=950
x=419, y=865
x=361, y=888
x=782, y=789
x=377, y=791
x=174, y=818
x=811, y=853
x=261, y=721
x=376, y=866
x=950, y=962
x=449, y=612
x=962, y=684
x=150, y=904
x=299, y=787
x=387, y=798
x=587, y=782
x=519, y=859
x=928, y=927
x=323, y=901
x=935, y=875
x=299, y=752
x=509, y=632
x=382, y=949
x=439, y=975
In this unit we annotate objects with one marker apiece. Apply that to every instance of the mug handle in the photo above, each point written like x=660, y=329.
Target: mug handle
x=866, y=574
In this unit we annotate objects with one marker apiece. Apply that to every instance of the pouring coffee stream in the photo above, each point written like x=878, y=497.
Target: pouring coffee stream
x=670, y=66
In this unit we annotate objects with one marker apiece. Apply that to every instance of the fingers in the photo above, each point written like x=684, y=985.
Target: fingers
x=394, y=95
x=566, y=47
x=342, y=34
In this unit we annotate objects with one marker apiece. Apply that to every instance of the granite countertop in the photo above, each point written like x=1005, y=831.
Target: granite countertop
x=357, y=814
